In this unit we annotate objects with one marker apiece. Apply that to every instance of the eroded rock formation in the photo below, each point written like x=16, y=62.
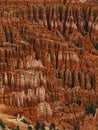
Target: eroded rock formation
x=49, y=60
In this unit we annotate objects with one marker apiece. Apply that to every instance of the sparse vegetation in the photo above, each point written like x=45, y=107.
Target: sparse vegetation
x=37, y=125
x=11, y=128
x=78, y=101
x=25, y=121
x=42, y=127
x=90, y=109
x=52, y=126
x=17, y=128
x=96, y=46
x=2, y=125
x=29, y=128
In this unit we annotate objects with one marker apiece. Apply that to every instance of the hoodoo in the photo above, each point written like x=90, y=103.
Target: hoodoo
x=49, y=64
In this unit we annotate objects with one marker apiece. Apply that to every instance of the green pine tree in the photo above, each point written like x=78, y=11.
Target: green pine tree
x=29, y=128
x=2, y=125
x=37, y=125
x=52, y=126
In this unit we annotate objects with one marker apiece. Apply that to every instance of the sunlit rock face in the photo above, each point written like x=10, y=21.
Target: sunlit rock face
x=49, y=61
